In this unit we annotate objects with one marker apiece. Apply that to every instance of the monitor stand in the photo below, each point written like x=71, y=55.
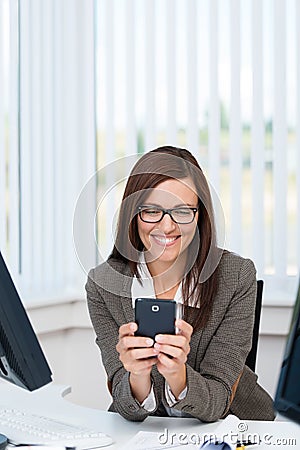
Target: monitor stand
x=3, y=442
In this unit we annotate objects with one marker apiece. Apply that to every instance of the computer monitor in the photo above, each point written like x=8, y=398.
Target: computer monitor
x=287, y=397
x=22, y=361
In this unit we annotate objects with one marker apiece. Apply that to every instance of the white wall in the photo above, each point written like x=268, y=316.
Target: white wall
x=270, y=352
x=75, y=361
x=68, y=340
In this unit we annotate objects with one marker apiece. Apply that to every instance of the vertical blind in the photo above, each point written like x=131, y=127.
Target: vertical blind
x=258, y=136
x=221, y=78
x=9, y=137
x=217, y=78
x=47, y=139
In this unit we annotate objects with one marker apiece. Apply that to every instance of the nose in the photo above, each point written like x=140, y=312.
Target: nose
x=167, y=224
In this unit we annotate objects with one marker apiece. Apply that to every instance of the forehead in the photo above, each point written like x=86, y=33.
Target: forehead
x=173, y=192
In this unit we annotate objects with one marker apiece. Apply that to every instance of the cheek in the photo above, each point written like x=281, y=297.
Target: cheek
x=189, y=233
x=143, y=231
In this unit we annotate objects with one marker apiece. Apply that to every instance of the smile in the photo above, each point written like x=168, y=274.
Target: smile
x=164, y=240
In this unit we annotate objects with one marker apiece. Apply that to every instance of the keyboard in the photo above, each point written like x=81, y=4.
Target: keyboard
x=24, y=428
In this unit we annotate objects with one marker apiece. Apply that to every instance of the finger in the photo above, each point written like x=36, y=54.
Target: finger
x=166, y=362
x=170, y=350
x=128, y=329
x=129, y=342
x=141, y=366
x=142, y=353
x=136, y=341
x=178, y=341
x=185, y=328
x=171, y=339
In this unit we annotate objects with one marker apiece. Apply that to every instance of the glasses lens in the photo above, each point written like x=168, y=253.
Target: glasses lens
x=151, y=214
x=183, y=215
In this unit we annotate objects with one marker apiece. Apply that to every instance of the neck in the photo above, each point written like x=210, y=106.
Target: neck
x=167, y=276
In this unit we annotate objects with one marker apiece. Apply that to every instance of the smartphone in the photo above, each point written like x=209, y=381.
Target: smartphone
x=155, y=316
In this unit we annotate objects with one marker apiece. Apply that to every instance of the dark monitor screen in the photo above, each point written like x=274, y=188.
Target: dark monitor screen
x=287, y=398
x=22, y=361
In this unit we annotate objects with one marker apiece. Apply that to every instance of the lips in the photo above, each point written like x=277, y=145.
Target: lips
x=165, y=241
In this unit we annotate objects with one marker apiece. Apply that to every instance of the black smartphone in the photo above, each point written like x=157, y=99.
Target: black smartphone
x=155, y=316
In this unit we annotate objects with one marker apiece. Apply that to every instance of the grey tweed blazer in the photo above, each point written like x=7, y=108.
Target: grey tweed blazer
x=218, y=352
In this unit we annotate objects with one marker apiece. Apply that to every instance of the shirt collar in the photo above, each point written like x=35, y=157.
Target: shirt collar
x=143, y=287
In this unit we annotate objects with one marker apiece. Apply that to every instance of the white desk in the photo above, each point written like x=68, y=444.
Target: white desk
x=50, y=401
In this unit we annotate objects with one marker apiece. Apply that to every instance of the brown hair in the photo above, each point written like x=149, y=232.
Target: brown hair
x=150, y=170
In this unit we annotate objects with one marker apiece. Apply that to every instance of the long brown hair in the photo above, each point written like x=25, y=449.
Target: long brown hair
x=201, y=281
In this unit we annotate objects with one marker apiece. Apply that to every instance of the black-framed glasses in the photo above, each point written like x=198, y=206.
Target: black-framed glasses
x=153, y=214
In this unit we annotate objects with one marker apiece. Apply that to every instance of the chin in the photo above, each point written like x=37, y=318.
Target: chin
x=168, y=258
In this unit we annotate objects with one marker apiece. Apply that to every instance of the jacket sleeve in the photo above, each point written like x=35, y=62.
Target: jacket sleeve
x=209, y=390
x=251, y=401
x=107, y=332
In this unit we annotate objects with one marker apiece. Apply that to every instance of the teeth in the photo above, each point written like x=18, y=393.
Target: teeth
x=165, y=240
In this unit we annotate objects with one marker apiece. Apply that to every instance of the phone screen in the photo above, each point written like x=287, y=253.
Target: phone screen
x=155, y=316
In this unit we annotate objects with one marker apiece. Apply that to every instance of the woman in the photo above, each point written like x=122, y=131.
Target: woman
x=166, y=248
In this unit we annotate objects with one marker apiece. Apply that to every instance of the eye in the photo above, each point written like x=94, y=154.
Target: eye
x=151, y=211
x=183, y=212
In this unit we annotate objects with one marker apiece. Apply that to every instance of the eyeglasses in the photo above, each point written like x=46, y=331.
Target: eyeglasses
x=154, y=214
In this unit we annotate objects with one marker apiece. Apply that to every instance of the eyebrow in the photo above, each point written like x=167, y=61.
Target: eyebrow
x=176, y=206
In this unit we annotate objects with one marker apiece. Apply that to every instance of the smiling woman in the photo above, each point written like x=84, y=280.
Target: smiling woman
x=166, y=248
x=170, y=177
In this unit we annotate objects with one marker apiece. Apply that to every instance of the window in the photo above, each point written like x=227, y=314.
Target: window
x=9, y=137
x=47, y=135
x=220, y=78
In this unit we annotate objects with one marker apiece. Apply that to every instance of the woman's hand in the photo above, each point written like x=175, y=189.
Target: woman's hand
x=136, y=354
x=173, y=351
